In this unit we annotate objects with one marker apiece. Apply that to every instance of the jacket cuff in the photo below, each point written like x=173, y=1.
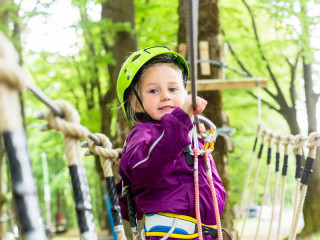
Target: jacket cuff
x=182, y=117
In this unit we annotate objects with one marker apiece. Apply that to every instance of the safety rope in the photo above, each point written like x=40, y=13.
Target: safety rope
x=214, y=196
x=314, y=141
x=262, y=134
x=269, y=140
x=278, y=139
x=196, y=191
x=286, y=142
x=208, y=147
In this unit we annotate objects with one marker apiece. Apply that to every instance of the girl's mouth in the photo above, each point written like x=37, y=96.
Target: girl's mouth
x=166, y=107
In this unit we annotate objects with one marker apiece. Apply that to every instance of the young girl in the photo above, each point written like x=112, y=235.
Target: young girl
x=151, y=89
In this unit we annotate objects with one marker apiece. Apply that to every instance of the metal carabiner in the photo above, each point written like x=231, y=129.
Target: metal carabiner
x=210, y=137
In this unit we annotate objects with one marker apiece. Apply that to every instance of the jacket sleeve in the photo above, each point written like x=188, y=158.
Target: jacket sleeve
x=151, y=152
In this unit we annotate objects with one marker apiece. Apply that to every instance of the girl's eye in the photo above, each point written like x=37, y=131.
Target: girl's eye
x=153, y=91
x=172, y=89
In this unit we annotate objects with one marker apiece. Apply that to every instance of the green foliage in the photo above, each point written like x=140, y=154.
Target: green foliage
x=71, y=78
x=157, y=22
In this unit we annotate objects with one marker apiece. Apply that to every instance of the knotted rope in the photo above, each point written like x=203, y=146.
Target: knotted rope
x=314, y=141
x=72, y=129
x=108, y=156
x=244, y=191
x=277, y=142
x=11, y=72
x=262, y=134
x=299, y=142
x=269, y=140
x=105, y=151
x=286, y=141
x=12, y=79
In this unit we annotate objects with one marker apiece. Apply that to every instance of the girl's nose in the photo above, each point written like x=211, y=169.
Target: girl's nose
x=165, y=95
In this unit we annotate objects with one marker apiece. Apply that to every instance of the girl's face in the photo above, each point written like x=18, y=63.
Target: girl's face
x=161, y=90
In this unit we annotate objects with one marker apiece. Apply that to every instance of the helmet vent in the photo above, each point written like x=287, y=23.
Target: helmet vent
x=135, y=57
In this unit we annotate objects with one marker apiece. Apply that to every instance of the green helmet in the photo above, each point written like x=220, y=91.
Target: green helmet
x=135, y=62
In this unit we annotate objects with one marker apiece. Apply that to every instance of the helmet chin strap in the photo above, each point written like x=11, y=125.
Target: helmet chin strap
x=141, y=104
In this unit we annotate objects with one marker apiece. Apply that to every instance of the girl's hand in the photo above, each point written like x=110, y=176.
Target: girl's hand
x=202, y=129
x=188, y=109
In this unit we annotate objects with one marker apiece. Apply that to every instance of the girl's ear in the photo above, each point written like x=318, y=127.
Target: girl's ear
x=137, y=107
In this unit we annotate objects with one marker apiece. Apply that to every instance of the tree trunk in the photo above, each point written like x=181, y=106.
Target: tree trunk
x=124, y=43
x=209, y=31
x=311, y=210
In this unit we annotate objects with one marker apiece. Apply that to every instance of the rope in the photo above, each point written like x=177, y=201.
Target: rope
x=299, y=142
x=269, y=139
x=105, y=150
x=259, y=101
x=71, y=128
x=24, y=190
x=259, y=127
x=214, y=197
x=108, y=156
x=263, y=133
x=288, y=140
x=196, y=191
x=12, y=78
x=277, y=141
x=314, y=141
x=11, y=73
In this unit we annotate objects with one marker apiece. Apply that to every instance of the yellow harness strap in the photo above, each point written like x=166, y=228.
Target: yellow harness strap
x=186, y=227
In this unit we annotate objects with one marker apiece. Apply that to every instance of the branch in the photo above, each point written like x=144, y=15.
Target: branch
x=236, y=57
x=273, y=78
x=264, y=101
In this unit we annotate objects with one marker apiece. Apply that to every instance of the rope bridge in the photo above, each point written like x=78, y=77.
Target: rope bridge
x=63, y=117
x=302, y=178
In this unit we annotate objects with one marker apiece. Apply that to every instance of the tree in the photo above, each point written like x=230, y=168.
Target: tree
x=289, y=47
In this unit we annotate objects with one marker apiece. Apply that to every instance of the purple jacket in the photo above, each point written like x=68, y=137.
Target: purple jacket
x=154, y=165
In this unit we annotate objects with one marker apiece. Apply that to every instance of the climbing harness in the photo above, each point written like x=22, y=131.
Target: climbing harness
x=179, y=226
